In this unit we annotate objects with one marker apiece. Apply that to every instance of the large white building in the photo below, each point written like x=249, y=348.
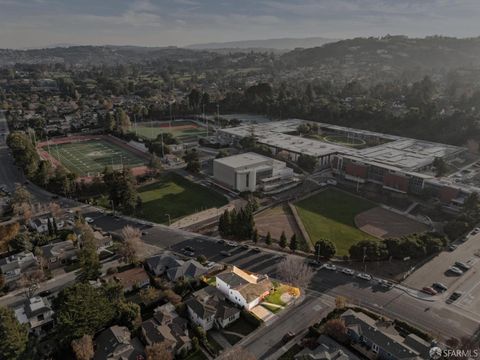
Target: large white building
x=251, y=172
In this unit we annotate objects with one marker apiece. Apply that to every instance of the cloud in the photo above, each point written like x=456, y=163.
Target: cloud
x=180, y=22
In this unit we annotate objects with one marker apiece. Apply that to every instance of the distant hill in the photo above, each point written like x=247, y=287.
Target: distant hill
x=394, y=54
x=278, y=44
x=97, y=55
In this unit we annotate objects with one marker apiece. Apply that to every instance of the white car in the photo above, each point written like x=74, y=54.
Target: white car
x=348, y=271
x=364, y=276
x=89, y=220
x=231, y=243
x=329, y=267
x=455, y=270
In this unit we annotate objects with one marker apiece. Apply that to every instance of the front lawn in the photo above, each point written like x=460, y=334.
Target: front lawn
x=177, y=197
x=330, y=214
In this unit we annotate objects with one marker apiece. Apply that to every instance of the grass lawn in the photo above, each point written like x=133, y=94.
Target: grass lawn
x=183, y=130
x=177, y=197
x=330, y=214
x=274, y=297
x=271, y=308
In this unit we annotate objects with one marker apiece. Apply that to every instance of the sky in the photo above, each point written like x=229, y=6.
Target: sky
x=39, y=23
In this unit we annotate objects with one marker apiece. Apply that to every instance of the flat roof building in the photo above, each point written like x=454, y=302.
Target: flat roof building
x=251, y=172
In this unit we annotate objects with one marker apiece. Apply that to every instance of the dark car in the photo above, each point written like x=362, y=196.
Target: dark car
x=462, y=266
x=188, y=248
x=225, y=253
x=244, y=246
x=256, y=250
x=455, y=296
x=439, y=286
x=44, y=293
x=288, y=336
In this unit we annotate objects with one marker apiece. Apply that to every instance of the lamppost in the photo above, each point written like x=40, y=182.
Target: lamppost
x=169, y=219
x=364, y=257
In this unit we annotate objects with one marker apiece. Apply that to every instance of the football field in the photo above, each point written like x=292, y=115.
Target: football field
x=89, y=158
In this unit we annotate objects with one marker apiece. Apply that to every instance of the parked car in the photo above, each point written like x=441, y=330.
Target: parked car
x=329, y=267
x=288, y=336
x=256, y=250
x=364, y=276
x=313, y=263
x=225, y=253
x=455, y=296
x=188, y=248
x=462, y=266
x=452, y=247
x=385, y=284
x=189, y=253
x=439, y=286
x=89, y=220
x=221, y=241
x=429, y=291
x=347, y=271
x=231, y=243
x=455, y=270
x=244, y=246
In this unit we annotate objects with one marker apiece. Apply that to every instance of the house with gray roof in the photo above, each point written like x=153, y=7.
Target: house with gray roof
x=13, y=266
x=328, y=349
x=209, y=308
x=167, y=326
x=59, y=254
x=174, y=268
x=37, y=313
x=116, y=343
x=380, y=340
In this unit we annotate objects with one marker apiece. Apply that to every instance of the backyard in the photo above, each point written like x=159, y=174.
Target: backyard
x=330, y=214
x=177, y=197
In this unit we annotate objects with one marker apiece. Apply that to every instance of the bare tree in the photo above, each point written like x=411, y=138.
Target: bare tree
x=131, y=243
x=294, y=271
x=83, y=348
x=336, y=328
x=160, y=351
x=55, y=209
x=30, y=281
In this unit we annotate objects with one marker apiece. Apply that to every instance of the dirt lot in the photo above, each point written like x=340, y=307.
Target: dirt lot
x=384, y=224
x=276, y=220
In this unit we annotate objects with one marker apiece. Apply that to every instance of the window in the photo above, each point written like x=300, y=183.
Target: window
x=375, y=348
x=247, y=180
x=40, y=317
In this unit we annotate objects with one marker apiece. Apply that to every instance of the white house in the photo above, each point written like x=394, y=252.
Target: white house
x=242, y=288
x=13, y=266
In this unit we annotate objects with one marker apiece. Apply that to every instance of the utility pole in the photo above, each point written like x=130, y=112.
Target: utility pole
x=163, y=154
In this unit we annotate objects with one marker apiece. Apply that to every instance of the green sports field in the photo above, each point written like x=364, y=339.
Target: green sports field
x=183, y=130
x=330, y=214
x=89, y=158
x=176, y=196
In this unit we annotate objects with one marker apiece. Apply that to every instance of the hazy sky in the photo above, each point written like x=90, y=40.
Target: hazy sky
x=36, y=23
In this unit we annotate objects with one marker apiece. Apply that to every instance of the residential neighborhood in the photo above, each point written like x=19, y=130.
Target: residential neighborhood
x=238, y=180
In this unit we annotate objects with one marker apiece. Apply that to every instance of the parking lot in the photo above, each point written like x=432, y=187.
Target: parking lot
x=436, y=270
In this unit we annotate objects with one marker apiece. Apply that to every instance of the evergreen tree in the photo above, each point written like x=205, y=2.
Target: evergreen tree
x=13, y=335
x=54, y=226
x=50, y=227
x=268, y=239
x=283, y=240
x=293, y=243
x=255, y=235
x=90, y=268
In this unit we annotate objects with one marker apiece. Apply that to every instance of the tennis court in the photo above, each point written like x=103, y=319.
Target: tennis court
x=89, y=158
